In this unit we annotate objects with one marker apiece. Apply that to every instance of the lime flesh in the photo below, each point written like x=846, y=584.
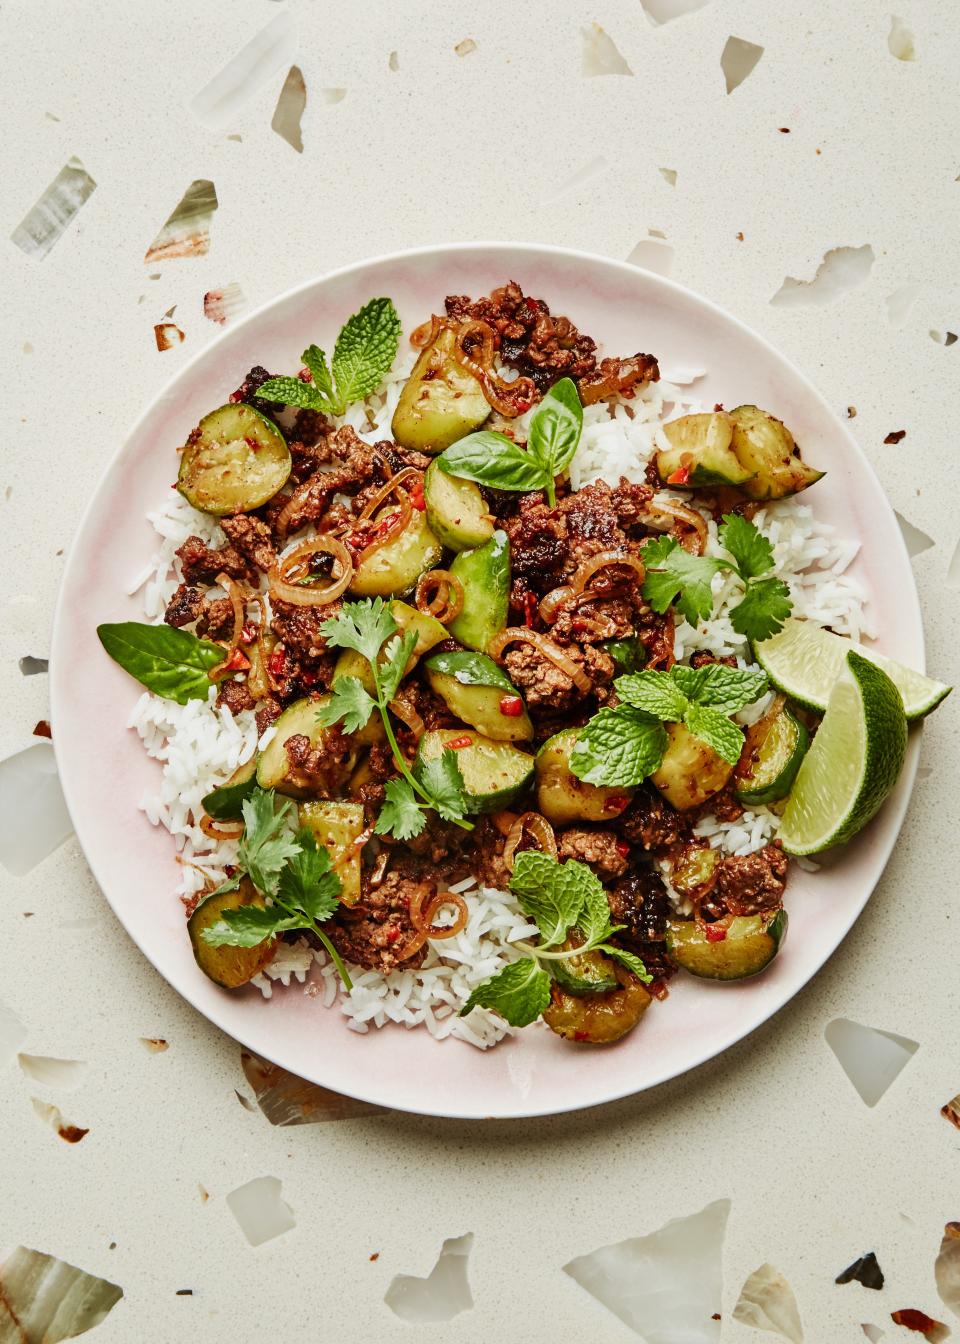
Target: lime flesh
x=804, y=661
x=853, y=763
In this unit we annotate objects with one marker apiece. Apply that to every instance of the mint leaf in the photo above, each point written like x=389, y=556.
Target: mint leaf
x=519, y=993
x=752, y=551
x=725, y=688
x=656, y=692
x=171, y=663
x=443, y=781
x=349, y=704
x=551, y=893
x=396, y=655
x=555, y=427
x=628, y=959
x=714, y=728
x=401, y=815
x=365, y=350
x=266, y=843
x=363, y=626
x=316, y=361
x=594, y=918
x=765, y=606
x=494, y=460
x=292, y=392
x=249, y=926
x=674, y=575
x=619, y=747
x=307, y=882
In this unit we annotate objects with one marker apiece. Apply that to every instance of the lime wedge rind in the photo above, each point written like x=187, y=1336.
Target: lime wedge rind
x=804, y=661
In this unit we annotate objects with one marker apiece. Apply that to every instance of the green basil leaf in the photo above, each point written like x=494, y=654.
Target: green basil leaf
x=171, y=663
x=556, y=425
x=494, y=460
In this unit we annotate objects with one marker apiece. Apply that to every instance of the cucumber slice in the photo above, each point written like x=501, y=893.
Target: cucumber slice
x=494, y=773
x=700, y=452
x=428, y=630
x=441, y=400
x=690, y=772
x=229, y=967
x=226, y=802
x=274, y=770
x=485, y=575
x=336, y=827
x=474, y=688
x=396, y=566
x=456, y=510
x=234, y=461
x=694, y=870
x=562, y=797
x=773, y=755
x=588, y=973
x=766, y=448
x=751, y=944
x=598, y=1019
x=628, y=655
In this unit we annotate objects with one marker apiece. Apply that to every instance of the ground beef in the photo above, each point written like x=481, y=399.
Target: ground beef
x=618, y=377
x=640, y=903
x=268, y=711
x=247, y=390
x=753, y=883
x=602, y=850
x=441, y=842
x=593, y=622
x=321, y=769
x=201, y=564
x=723, y=806
x=704, y=659
x=216, y=619
x=489, y=841
x=251, y=538
x=651, y=822
x=184, y=607
x=299, y=629
x=538, y=543
x=235, y=695
x=545, y=686
x=656, y=634
x=378, y=927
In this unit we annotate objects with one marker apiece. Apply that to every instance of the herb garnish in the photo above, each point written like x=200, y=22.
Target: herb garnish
x=623, y=746
x=493, y=459
x=172, y=663
x=365, y=350
x=369, y=628
x=290, y=869
x=675, y=576
x=558, y=897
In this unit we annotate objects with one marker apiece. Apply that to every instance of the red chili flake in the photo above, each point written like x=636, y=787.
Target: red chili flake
x=278, y=661
x=416, y=496
x=512, y=706
x=305, y=375
x=895, y=436
x=458, y=743
x=393, y=933
x=718, y=405
x=523, y=406
x=714, y=935
x=679, y=477
x=375, y=1256
x=248, y=634
x=623, y=849
x=658, y=988
x=784, y=130
x=42, y=729
x=237, y=662
x=71, y=1133
x=174, y=486
x=229, y=869
x=252, y=444
x=581, y=1036
x=309, y=678
x=530, y=606
x=617, y=803
x=919, y=1321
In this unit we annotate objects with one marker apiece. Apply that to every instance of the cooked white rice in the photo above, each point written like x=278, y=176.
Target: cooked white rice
x=199, y=746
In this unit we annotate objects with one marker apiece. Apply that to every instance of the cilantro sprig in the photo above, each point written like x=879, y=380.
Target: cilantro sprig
x=369, y=628
x=364, y=352
x=674, y=576
x=287, y=867
x=559, y=898
x=495, y=460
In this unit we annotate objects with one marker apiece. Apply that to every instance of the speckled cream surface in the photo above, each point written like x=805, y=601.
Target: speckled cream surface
x=510, y=141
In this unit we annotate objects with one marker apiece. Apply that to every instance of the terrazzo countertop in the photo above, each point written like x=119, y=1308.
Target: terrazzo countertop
x=594, y=127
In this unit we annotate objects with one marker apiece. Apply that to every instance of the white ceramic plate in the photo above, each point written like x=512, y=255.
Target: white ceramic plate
x=104, y=769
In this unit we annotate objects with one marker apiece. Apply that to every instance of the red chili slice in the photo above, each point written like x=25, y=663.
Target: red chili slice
x=715, y=935
x=458, y=743
x=679, y=477
x=617, y=803
x=512, y=706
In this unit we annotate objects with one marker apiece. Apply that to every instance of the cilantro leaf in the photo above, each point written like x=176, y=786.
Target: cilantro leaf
x=492, y=459
x=674, y=575
x=619, y=747
x=349, y=703
x=316, y=361
x=656, y=692
x=443, y=780
x=396, y=656
x=292, y=392
x=266, y=843
x=307, y=882
x=249, y=926
x=714, y=728
x=725, y=688
x=551, y=893
x=365, y=350
x=519, y=993
x=401, y=814
x=555, y=427
x=751, y=550
x=765, y=606
x=363, y=626
x=628, y=959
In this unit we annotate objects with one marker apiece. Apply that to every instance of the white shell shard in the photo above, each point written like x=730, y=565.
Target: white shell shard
x=953, y=574
x=286, y=1099
x=873, y=1332
x=34, y=820
x=466, y=48
x=669, y=176
x=168, y=335
x=767, y=1303
x=663, y=11
x=842, y=269
x=579, y=178
x=64, y=1075
x=219, y=102
x=289, y=109
x=220, y=305
x=900, y=40
x=393, y=61
x=12, y=1034
x=51, y=1115
x=870, y=1058
x=187, y=231
x=916, y=541
x=443, y=1294
x=652, y=256
x=738, y=59
x=331, y=96
x=44, y=1300
x=946, y=1269
x=50, y=214
x=900, y=303
x=260, y=1211
x=600, y=55
x=667, y=1285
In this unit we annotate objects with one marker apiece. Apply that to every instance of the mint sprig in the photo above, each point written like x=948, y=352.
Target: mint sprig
x=364, y=352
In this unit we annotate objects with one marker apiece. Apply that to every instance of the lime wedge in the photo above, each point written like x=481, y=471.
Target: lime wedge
x=804, y=661
x=852, y=764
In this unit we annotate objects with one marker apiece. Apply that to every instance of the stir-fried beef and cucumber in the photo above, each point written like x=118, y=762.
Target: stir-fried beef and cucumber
x=459, y=665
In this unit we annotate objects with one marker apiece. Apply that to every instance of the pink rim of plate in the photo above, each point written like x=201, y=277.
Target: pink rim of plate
x=104, y=770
